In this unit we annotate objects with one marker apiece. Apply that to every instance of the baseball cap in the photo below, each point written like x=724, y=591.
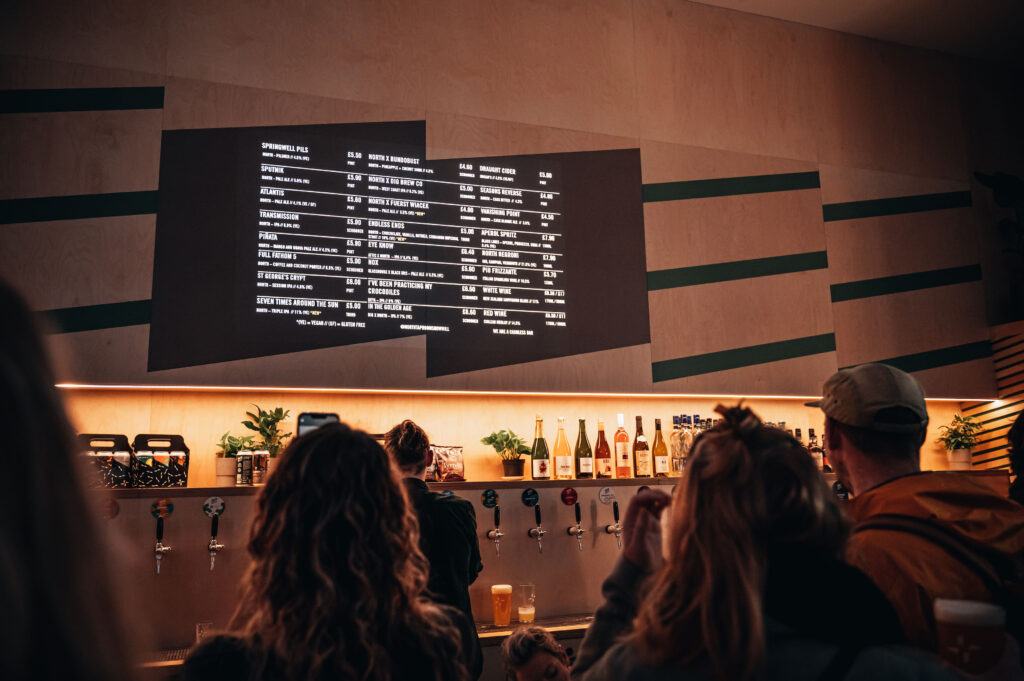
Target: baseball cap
x=855, y=396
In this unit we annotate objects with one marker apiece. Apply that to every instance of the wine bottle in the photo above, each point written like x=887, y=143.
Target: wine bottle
x=602, y=453
x=563, y=457
x=660, y=452
x=540, y=456
x=584, y=456
x=641, y=452
x=623, y=456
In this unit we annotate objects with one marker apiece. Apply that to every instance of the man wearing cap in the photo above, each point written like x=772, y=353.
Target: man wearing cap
x=875, y=424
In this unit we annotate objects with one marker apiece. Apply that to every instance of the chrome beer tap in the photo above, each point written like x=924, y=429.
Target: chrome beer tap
x=159, y=549
x=537, y=532
x=496, y=534
x=615, y=529
x=213, y=507
x=577, y=530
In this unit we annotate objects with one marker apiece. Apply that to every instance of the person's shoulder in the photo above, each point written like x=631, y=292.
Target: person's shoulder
x=451, y=503
x=898, y=663
x=622, y=663
x=223, y=657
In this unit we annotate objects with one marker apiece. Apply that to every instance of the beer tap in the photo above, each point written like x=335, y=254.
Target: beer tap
x=160, y=509
x=496, y=534
x=213, y=507
x=537, y=532
x=615, y=529
x=577, y=530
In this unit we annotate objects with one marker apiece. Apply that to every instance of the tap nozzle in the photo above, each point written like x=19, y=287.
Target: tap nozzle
x=496, y=534
x=577, y=530
x=537, y=532
x=213, y=546
x=615, y=529
x=158, y=548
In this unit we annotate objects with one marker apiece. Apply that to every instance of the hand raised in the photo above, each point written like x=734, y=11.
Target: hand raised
x=641, y=530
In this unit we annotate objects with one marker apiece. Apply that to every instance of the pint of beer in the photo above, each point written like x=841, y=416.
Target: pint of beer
x=501, y=601
x=971, y=634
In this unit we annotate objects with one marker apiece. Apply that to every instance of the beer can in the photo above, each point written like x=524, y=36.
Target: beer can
x=243, y=468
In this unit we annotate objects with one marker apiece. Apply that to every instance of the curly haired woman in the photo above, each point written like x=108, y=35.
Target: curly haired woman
x=335, y=587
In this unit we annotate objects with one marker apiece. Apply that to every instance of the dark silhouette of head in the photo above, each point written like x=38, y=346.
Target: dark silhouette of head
x=409, y=447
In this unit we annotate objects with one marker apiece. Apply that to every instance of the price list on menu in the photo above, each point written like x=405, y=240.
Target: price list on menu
x=373, y=238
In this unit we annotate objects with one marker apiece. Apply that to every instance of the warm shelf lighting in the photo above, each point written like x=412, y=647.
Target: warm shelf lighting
x=459, y=393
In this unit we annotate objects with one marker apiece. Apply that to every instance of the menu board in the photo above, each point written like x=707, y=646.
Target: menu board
x=354, y=236
x=277, y=240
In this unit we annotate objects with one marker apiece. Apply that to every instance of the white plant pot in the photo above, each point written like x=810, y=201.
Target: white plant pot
x=225, y=471
x=959, y=459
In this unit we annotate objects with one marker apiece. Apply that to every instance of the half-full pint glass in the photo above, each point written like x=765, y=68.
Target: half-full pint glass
x=501, y=601
x=971, y=634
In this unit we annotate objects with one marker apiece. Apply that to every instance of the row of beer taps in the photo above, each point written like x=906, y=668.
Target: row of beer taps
x=577, y=530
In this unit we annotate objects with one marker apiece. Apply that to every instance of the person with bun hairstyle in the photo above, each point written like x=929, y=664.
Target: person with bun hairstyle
x=336, y=585
x=447, y=529
x=745, y=580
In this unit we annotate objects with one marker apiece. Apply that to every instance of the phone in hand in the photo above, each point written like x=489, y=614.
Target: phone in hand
x=311, y=420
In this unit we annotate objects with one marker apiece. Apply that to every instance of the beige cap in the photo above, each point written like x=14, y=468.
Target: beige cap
x=854, y=396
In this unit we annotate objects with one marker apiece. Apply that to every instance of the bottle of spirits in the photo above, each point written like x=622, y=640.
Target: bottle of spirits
x=602, y=453
x=540, y=456
x=660, y=452
x=674, y=456
x=799, y=437
x=641, y=452
x=563, y=456
x=623, y=456
x=814, y=450
x=685, y=442
x=584, y=455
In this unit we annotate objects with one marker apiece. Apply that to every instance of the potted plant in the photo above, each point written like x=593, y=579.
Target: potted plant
x=229, y=446
x=510, y=447
x=958, y=437
x=266, y=423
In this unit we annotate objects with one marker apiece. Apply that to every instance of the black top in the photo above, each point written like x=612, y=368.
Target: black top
x=448, y=540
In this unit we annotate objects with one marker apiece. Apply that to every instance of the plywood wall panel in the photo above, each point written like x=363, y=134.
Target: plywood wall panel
x=85, y=152
x=79, y=262
x=730, y=228
x=665, y=162
x=796, y=376
x=966, y=379
x=694, y=320
x=840, y=184
x=21, y=73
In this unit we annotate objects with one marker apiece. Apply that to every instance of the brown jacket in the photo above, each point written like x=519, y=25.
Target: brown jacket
x=913, y=571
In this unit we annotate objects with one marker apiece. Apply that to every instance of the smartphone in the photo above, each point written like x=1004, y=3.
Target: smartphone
x=310, y=421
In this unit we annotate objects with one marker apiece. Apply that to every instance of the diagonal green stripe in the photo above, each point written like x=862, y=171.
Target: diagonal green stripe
x=854, y=210
x=1012, y=354
x=992, y=430
x=868, y=288
x=995, y=458
x=1000, y=418
x=1003, y=406
x=932, y=359
x=729, y=186
x=81, y=99
x=988, y=451
x=741, y=357
x=77, y=207
x=739, y=269
x=1007, y=366
x=975, y=406
x=92, y=317
x=1005, y=347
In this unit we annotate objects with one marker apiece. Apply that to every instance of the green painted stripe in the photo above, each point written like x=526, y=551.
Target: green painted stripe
x=992, y=430
x=854, y=210
x=868, y=288
x=1003, y=377
x=976, y=406
x=1000, y=418
x=48, y=208
x=1005, y=347
x=994, y=458
x=93, y=317
x=1000, y=359
x=1019, y=392
x=739, y=269
x=729, y=186
x=988, y=451
x=933, y=359
x=1000, y=340
x=1010, y=385
x=999, y=408
x=81, y=99
x=994, y=439
x=1007, y=366
x=711, y=362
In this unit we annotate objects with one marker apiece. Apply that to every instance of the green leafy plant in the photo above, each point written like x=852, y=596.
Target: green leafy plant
x=230, y=445
x=508, y=445
x=961, y=433
x=266, y=424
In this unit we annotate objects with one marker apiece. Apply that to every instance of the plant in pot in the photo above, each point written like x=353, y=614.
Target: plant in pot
x=959, y=436
x=510, y=447
x=229, y=446
x=267, y=424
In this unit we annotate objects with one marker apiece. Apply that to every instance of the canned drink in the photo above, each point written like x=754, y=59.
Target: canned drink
x=243, y=468
x=259, y=466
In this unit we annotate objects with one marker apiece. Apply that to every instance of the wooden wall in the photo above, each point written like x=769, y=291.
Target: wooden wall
x=808, y=194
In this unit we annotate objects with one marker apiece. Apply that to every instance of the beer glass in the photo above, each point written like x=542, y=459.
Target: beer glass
x=501, y=602
x=971, y=634
x=527, y=596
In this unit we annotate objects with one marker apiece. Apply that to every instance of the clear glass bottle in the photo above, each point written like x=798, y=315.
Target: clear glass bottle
x=623, y=455
x=814, y=450
x=641, y=452
x=659, y=450
x=563, y=455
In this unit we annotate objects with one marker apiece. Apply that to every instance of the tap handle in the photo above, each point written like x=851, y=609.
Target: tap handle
x=536, y=514
x=579, y=516
x=159, y=529
x=497, y=516
x=213, y=526
x=615, y=510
